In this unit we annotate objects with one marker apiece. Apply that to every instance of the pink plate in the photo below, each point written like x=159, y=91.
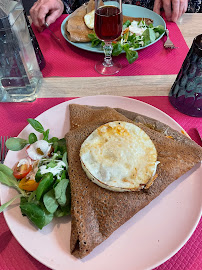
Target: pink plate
x=147, y=240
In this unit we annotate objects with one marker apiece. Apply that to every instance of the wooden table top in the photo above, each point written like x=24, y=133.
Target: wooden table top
x=154, y=85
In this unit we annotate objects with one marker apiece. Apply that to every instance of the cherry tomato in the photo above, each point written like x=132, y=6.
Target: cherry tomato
x=22, y=168
x=28, y=183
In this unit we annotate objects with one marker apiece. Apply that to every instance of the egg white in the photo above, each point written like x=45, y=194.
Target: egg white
x=119, y=156
x=89, y=19
x=38, y=150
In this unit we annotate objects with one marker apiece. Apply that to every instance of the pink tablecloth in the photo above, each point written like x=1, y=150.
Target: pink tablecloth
x=65, y=60
x=13, y=120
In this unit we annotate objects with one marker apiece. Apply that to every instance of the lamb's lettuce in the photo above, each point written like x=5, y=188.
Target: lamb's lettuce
x=52, y=198
x=129, y=42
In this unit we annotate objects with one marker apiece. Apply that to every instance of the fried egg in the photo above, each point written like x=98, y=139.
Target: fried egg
x=89, y=19
x=38, y=150
x=119, y=156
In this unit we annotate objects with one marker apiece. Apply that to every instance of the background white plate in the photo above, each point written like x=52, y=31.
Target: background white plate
x=148, y=239
x=128, y=10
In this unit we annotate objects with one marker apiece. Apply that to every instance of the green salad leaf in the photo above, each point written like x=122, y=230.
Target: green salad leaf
x=6, y=170
x=60, y=191
x=129, y=42
x=46, y=134
x=36, y=213
x=117, y=49
x=16, y=144
x=148, y=36
x=32, y=138
x=5, y=205
x=7, y=178
x=44, y=185
x=36, y=125
x=50, y=201
x=52, y=197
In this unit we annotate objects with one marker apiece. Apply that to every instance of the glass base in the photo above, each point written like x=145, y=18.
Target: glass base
x=104, y=69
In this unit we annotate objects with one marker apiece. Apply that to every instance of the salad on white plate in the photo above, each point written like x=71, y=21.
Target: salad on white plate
x=134, y=35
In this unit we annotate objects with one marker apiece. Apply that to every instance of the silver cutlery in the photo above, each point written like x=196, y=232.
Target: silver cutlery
x=3, y=148
x=47, y=26
x=168, y=44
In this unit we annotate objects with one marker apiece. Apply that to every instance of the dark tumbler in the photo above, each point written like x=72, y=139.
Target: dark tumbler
x=186, y=93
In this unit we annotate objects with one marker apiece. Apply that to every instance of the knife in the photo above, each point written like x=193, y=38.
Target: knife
x=47, y=26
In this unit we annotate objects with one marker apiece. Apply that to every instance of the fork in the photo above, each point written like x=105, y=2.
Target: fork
x=3, y=148
x=168, y=44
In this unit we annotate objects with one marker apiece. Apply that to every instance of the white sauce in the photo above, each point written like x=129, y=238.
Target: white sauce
x=55, y=171
x=24, y=161
x=137, y=29
x=155, y=168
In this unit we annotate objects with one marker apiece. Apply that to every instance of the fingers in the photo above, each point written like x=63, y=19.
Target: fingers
x=53, y=15
x=34, y=14
x=38, y=15
x=179, y=8
x=183, y=7
x=157, y=6
x=42, y=8
x=175, y=10
x=167, y=9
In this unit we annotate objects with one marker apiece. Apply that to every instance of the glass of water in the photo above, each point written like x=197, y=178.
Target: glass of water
x=20, y=76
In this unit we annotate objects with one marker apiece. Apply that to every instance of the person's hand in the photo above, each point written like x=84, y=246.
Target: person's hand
x=174, y=9
x=46, y=11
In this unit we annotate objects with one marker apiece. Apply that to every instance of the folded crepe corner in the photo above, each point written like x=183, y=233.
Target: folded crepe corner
x=76, y=29
x=97, y=212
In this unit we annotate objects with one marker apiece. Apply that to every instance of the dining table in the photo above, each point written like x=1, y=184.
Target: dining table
x=149, y=87
x=154, y=85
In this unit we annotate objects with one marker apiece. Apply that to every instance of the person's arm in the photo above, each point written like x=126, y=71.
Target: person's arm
x=46, y=11
x=174, y=9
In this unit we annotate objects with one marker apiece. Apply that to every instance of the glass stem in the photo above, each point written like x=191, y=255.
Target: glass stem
x=108, y=52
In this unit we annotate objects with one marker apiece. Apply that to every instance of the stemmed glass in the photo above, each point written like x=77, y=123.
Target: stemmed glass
x=108, y=27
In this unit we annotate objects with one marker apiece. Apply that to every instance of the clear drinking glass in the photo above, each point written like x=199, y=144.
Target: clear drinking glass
x=108, y=27
x=20, y=76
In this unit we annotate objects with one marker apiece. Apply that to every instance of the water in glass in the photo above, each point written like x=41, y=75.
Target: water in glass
x=20, y=76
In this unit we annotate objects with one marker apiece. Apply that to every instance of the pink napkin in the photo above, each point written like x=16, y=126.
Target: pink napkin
x=13, y=120
x=65, y=60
